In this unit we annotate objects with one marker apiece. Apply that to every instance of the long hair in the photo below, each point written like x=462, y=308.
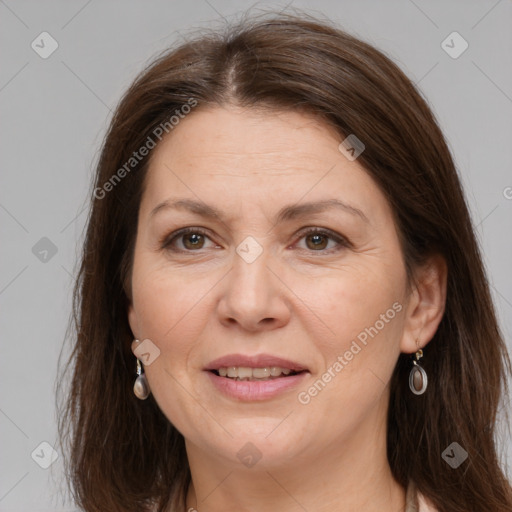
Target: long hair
x=123, y=454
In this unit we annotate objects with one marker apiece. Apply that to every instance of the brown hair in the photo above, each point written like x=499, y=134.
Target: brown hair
x=123, y=453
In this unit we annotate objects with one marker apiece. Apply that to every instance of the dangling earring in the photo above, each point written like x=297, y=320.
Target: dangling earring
x=418, y=377
x=141, y=386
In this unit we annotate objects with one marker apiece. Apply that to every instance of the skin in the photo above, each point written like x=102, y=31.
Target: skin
x=295, y=301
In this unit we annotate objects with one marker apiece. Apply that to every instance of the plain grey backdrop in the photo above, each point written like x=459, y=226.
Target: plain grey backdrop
x=55, y=108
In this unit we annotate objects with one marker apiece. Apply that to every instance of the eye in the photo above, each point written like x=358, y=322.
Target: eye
x=193, y=239
x=317, y=240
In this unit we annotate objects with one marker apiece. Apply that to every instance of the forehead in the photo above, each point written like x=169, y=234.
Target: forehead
x=233, y=156
x=230, y=134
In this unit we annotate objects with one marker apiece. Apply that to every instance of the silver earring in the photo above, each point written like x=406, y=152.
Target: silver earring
x=141, y=386
x=418, y=377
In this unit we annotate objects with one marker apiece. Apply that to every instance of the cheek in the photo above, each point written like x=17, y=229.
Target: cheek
x=167, y=310
x=364, y=314
x=354, y=300
x=364, y=311
x=162, y=298
x=169, y=313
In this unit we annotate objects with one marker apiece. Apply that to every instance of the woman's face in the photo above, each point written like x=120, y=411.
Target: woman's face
x=254, y=295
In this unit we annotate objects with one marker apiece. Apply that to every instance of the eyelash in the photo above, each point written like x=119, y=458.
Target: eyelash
x=167, y=241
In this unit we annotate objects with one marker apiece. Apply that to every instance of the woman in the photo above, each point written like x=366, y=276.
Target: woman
x=281, y=302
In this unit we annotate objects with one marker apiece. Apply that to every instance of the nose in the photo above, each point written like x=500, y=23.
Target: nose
x=254, y=296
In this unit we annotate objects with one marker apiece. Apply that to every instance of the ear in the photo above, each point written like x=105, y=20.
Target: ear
x=132, y=320
x=426, y=304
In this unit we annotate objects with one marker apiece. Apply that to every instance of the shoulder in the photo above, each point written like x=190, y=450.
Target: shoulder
x=424, y=504
x=416, y=501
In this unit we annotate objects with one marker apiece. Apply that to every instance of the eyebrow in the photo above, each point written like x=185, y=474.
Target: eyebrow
x=286, y=213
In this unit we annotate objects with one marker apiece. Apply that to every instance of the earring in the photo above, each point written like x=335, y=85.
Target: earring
x=418, y=377
x=141, y=386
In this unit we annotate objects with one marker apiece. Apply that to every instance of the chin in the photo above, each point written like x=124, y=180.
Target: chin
x=255, y=443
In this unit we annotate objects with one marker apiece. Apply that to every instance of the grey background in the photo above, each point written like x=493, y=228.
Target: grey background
x=55, y=112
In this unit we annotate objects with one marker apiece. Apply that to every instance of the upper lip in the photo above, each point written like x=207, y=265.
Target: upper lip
x=256, y=361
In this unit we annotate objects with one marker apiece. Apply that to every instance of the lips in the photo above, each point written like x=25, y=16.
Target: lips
x=254, y=378
x=257, y=361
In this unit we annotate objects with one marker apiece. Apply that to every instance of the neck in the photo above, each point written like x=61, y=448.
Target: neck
x=353, y=474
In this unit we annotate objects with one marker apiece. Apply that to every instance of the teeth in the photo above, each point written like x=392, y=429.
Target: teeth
x=275, y=371
x=260, y=373
x=246, y=373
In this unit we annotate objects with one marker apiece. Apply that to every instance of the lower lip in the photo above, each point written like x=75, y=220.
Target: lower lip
x=254, y=390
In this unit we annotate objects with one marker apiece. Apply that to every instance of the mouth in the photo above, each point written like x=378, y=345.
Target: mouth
x=252, y=378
